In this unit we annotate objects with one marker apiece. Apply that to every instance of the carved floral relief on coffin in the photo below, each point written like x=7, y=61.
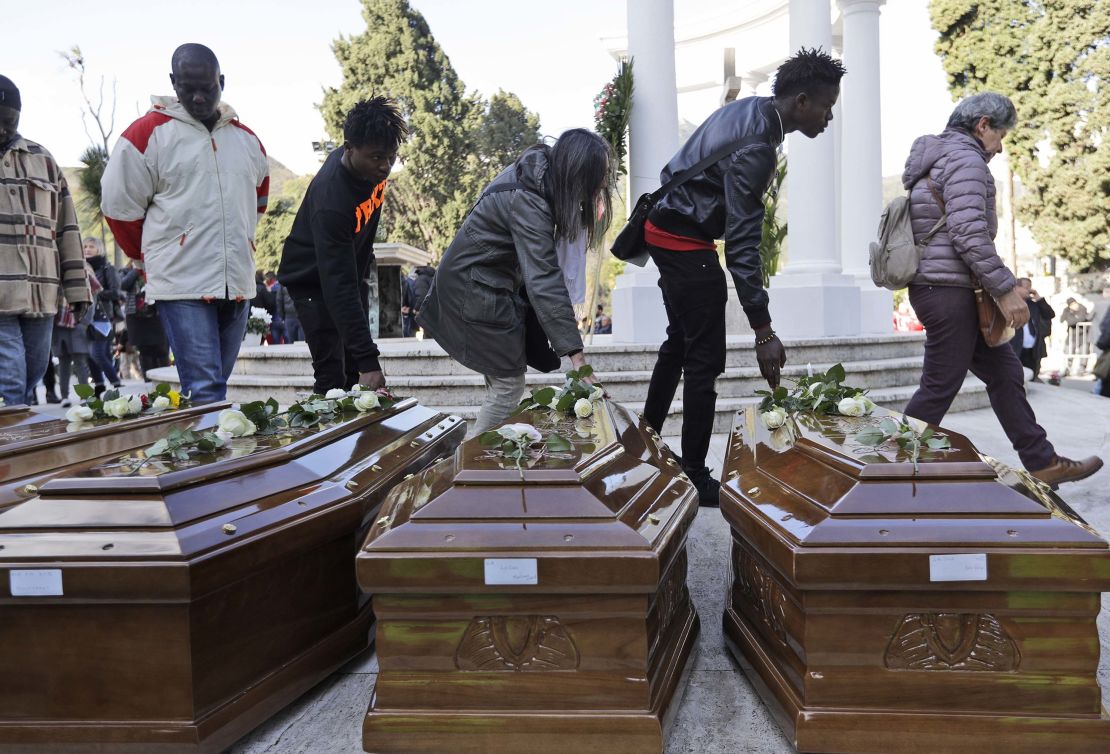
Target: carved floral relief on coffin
x=764, y=593
x=516, y=643
x=951, y=641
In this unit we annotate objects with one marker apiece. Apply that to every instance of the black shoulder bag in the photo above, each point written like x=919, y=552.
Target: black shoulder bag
x=538, y=353
x=629, y=244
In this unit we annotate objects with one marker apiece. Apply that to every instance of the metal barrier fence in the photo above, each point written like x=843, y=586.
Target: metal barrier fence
x=1079, y=350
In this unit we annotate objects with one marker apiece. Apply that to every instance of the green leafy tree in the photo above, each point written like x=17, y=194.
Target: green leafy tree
x=275, y=225
x=449, y=155
x=1053, y=60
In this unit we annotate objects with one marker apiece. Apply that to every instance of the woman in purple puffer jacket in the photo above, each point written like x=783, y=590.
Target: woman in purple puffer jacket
x=947, y=175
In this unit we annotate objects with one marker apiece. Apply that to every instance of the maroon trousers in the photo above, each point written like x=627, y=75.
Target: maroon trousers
x=953, y=346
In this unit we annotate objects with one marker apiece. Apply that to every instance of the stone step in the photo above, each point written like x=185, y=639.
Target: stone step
x=407, y=356
x=625, y=386
x=973, y=395
x=244, y=388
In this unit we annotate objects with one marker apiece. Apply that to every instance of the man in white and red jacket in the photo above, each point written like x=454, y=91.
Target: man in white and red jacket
x=183, y=192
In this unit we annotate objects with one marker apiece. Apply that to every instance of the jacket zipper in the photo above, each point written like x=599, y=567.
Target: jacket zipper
x=223, y=212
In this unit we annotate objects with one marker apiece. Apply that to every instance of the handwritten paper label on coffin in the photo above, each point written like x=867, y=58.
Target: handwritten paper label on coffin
x=968, y=567
x=511, y=572
x=39, y=582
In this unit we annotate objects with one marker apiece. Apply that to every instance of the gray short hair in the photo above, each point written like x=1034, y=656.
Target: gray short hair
x=997, y=108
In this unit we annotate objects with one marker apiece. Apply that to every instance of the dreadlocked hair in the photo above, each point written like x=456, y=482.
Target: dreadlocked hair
x=804, y=70
x=375, y=121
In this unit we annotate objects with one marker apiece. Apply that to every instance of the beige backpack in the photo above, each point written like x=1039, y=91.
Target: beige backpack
x=894, y=257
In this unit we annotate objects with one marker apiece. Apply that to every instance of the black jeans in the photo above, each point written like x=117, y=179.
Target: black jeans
x=694, y=295
x=332, y=365
x=953, y=346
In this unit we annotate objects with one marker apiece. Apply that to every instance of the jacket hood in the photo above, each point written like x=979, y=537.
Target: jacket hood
x=531, y=167
x=172, y=107
x=926, y=150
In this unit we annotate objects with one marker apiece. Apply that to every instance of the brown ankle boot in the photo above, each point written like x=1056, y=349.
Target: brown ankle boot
x=1066, y=470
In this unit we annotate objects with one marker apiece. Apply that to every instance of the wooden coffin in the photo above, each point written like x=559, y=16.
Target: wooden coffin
x=543, y=610
x=176, y=606
x=877, y=609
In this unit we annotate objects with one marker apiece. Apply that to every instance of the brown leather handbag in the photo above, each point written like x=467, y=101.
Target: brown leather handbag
x=992, y=324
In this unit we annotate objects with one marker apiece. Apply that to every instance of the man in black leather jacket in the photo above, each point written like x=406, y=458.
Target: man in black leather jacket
x=726, y=202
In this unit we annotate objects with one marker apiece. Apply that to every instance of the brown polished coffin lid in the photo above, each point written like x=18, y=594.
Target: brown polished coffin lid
x=600, y=517
x=228, y=577
x=35, y=447
x=543, y=610
x=819, y=491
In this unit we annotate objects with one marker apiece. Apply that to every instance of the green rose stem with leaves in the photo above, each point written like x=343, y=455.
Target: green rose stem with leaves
x=563, y=399
x=519, y=441
x=905, y=435
x=268, y=419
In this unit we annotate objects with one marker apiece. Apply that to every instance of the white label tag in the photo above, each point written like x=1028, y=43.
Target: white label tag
x=511, y=571
x=44, y=582
x=970, y=567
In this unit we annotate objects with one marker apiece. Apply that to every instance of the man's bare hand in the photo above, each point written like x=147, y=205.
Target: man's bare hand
x=372, y=380
x=771, y=357
x=1014, y=309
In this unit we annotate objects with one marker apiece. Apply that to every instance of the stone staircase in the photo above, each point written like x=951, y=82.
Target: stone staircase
x=888, y=365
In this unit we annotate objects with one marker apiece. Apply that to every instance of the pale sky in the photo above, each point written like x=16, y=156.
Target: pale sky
x=276, y=57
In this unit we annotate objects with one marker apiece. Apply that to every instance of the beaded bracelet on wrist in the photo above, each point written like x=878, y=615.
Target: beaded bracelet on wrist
x=766, y=340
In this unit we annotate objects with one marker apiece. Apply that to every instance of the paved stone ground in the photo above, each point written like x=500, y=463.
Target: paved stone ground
x=720, y=712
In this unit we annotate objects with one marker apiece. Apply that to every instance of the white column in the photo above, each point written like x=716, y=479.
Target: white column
x=638, y=315
x=861, y=187
x=810, y=297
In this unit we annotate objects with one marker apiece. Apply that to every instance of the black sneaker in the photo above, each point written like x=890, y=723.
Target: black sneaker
x=98, y=389
x=709, y=489
x=52, y=398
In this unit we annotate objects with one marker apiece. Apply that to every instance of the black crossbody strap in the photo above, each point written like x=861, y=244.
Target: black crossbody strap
x=510, y=186
x=682, y=176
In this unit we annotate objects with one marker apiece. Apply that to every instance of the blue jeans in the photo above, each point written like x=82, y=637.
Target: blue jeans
x=205, y=340
x=101, y=365
x=24, y=352
x=293, y=330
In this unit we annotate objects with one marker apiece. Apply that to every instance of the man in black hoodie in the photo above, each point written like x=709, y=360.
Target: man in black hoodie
x=330, y=248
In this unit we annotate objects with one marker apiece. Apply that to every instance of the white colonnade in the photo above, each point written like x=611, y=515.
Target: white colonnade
x=638, y=314
x=834, y=182
x=861, y=190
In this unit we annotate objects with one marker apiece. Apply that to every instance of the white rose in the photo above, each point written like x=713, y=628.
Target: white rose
x=356, y=389
x=520, y=431
x=335, y=394
x=79, y=414
x=161, y=403
x=583, y=408
x=134, y=405
x=855, y=406
x=597, y=393
x=774, y=418
x=235, y=423
x=366, y=401
x=118, y=407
